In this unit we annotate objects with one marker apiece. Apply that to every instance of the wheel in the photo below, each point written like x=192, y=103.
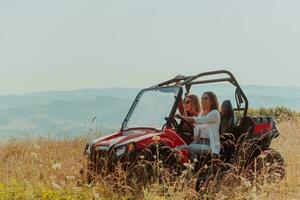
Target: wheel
x=270, y=164
x=90, y=176
x=185, y=122
x=151, y=162
x=184, y=129
x=210, y=175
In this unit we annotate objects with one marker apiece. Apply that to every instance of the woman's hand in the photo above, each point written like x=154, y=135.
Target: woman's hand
x=178, y=116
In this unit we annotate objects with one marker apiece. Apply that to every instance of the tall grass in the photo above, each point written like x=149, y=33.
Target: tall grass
x=48, y=169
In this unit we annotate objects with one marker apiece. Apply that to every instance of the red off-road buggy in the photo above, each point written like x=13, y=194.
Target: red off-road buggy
x=150, y=132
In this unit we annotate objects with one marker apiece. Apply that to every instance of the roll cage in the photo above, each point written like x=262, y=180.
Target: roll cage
x=188, y=81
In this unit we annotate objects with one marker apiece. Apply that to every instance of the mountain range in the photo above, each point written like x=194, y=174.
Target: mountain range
x=62, y=114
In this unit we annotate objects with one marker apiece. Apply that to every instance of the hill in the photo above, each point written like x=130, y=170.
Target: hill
x=62, y=114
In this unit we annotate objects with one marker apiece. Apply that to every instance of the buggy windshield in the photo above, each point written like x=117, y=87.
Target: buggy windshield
x=151, y=107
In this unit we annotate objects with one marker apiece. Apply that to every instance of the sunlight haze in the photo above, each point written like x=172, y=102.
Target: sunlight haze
x=67, y=45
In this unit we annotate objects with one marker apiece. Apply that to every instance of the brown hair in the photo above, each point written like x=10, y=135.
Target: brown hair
x=195, y=102
x=213, y=98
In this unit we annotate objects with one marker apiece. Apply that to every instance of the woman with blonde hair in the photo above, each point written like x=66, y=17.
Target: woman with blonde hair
x=191, y=105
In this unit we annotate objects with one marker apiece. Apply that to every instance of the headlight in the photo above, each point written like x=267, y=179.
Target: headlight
x=102, y=148
x=120, y=151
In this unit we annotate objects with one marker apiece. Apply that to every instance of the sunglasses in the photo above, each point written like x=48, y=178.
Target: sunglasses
x=204, y=98
x=187, y=101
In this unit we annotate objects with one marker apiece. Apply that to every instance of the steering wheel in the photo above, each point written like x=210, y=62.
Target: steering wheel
x=184, y=121
x=179, y=127
x=173, y=122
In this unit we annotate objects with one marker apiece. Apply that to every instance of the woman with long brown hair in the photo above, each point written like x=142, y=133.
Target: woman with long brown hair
x=206, y=132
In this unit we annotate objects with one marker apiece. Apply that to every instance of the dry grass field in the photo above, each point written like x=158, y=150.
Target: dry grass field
x=47, y=169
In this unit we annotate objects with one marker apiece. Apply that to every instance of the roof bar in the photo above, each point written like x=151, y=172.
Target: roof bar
x=173, y=80
x=212, y=81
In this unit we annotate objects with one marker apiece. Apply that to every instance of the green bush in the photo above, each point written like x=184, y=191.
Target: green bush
x=279, y=113
x=17, y=190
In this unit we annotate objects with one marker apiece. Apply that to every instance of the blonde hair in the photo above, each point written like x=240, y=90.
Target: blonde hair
x=196, y=108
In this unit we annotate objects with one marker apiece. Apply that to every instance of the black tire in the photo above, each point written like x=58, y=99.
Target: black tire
x=150, y=162
x=210, y=175
x=271, y=164
x=90, y=176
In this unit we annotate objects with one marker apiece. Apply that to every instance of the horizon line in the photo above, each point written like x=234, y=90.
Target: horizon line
x=122, y=87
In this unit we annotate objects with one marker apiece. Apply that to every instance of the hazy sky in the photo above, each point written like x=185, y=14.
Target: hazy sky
x=69, y=44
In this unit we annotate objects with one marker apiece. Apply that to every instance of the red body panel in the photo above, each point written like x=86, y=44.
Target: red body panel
x=142, y=138
x=262, y=125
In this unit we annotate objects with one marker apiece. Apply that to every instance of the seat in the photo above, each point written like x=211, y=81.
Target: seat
x=227, y=137
x=227, y=118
